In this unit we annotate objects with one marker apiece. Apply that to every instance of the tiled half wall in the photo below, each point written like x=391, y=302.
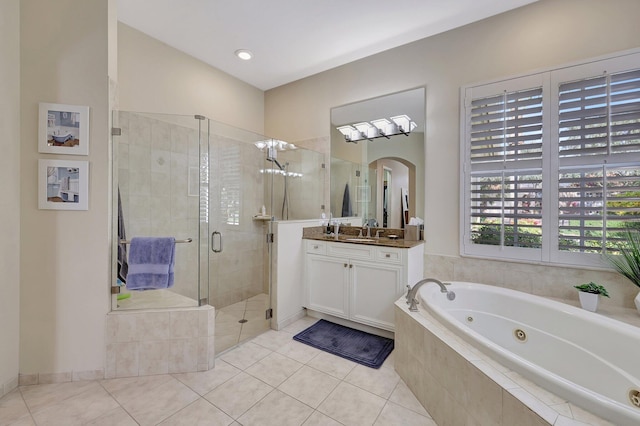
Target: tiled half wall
x=142, y=343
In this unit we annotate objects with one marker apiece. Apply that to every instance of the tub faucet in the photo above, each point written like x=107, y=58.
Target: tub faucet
x=412, y=291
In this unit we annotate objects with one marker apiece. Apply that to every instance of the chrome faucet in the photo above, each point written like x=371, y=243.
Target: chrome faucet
x=412, y=291
x=366, y=228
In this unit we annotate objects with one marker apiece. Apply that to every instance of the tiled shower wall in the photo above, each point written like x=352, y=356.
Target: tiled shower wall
x=343, y=172
x=154, y=159
x=306, y=192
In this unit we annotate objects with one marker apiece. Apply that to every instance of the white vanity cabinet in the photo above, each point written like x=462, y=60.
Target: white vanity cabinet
x=359, y=282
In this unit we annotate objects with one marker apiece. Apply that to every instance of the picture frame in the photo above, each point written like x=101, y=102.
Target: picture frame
x=63, y=129
x=63, y=185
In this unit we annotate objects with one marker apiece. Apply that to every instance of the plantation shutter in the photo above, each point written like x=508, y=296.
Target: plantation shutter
x=598, y=128
x=506, y=168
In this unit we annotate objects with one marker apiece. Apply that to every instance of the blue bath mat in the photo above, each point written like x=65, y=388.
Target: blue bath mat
x=358, y=346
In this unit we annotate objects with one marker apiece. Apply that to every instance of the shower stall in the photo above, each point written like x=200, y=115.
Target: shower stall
x=205, y=184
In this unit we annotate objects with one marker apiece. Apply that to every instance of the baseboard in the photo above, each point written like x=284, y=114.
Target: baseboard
x=8, y=386
x=49, y=378
x=351, y=324
x=290, y=320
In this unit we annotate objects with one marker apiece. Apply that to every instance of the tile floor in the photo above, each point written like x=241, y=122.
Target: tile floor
x=229, y=331
x=269, y=380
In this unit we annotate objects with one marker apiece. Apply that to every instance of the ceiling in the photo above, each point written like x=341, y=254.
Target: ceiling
x=293, y=39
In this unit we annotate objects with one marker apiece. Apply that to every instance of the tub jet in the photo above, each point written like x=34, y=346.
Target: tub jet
x=520, y=335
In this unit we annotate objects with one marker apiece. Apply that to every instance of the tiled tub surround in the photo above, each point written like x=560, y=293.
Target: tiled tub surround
x=548, y=281
x=143, y=343
x=459, y=385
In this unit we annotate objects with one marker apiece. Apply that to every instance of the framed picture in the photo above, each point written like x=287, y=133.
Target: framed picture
x=63, y=129
x=63, y=185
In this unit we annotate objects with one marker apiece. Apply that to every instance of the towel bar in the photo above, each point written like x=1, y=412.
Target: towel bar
x=188, y=240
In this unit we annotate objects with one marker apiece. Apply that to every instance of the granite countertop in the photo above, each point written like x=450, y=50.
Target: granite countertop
x=350, y=234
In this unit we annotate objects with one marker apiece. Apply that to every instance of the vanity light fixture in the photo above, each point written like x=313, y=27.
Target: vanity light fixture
x=382, y=127
x=244, y=54
x=405, y=125
x=351, y=134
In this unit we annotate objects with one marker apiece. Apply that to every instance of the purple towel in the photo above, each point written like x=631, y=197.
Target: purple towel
x=151, y=263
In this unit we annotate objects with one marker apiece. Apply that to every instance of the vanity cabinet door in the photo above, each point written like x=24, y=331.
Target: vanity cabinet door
x=374, y=290
x=327, y=285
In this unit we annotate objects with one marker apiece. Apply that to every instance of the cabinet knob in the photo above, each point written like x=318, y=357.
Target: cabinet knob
x=387, y=255
x=350, y=266
x=315, y=247
x=345, y=265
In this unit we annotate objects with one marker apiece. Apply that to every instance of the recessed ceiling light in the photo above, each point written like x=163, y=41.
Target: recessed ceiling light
x=244, y=54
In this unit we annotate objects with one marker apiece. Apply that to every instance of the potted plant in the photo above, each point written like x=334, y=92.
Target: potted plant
x=589, y=295
x=627, y=263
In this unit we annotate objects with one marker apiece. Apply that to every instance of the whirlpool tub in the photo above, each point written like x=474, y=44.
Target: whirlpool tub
x=590, y=360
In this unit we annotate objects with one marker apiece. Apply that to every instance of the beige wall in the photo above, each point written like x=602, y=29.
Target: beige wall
x=10, y=200
x=64, y=262
x=543, y=34
x=64, y=256
x=154, y=77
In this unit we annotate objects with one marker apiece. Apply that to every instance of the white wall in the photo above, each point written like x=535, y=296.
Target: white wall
x=154, y=77
x=10, y=200
x=64, y=256
x=543, y=34
x=288, y=293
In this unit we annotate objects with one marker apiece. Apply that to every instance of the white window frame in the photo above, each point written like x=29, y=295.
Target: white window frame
x=549, y=80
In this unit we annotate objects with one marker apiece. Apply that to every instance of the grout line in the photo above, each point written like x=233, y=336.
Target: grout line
x=318, y=352
x=116, y=400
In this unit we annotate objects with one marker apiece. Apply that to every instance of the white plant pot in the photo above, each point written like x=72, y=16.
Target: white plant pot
x=637, y=302
x=589, y=301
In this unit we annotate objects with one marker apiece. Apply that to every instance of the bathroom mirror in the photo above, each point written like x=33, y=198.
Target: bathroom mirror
x=377, y=172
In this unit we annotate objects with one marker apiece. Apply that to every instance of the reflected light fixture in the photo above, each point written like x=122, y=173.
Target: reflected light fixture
x=244, y=54
x=382, y=127
x=274, y=144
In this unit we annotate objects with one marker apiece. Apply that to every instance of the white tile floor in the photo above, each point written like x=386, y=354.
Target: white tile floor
x=269, y=380
x=230, y=331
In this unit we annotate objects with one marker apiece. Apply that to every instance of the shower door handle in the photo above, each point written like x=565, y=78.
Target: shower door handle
x=213, y=249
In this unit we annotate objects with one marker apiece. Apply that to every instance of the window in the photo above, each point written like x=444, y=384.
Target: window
x=551, y=163
x=230, y=184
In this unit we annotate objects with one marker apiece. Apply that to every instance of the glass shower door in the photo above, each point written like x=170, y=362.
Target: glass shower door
x=238, y=255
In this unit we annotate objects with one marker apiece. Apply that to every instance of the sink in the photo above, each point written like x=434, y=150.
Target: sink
x=361, y=240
